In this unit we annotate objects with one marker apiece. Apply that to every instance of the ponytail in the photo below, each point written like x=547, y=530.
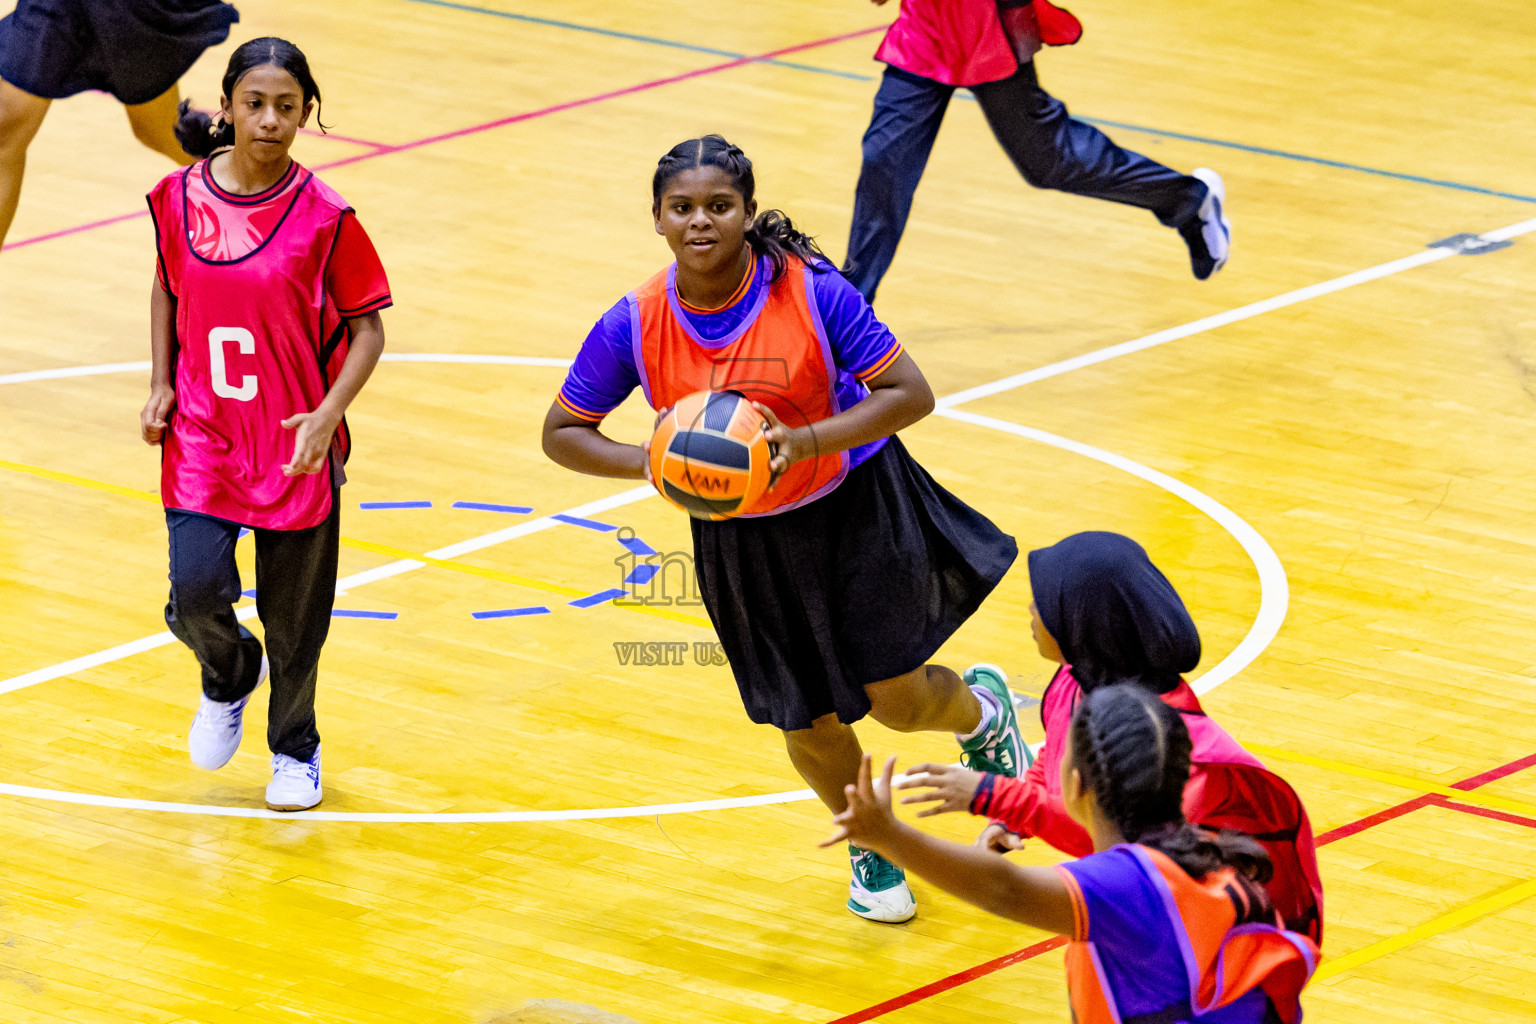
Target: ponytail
x=1133, y=752
x=200, y=134
x=772, y=234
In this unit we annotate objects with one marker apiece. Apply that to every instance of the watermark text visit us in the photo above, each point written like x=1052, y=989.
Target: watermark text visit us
x=668, y=652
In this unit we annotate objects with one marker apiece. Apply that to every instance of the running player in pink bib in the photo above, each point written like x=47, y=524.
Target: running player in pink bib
x=264, y=323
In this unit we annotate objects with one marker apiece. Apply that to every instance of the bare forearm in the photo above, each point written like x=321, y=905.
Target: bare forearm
x=1030, y=895
x=885, y=412
x=585, y=449
x=363, y=351
x=162, y=332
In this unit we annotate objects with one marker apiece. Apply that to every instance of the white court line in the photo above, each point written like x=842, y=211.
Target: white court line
x=62, y=372
x=1231, y=316
x=1272, y=601
x=381, y=572
x=1274, y=590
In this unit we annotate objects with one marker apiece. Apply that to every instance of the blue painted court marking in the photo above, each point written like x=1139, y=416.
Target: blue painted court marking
x=601, y=597
x=487, y=507
x=589, y=524
x=642, y=574
x=349, y=613
x=509, y=613
x=635, y=545
x=1203, y=140
x=247, y=593
x=371, y=505
x=244, y=532
x=611, y=33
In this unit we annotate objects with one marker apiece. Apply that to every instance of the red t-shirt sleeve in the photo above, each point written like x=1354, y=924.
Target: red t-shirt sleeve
x=354, y=277
x=1024, y=807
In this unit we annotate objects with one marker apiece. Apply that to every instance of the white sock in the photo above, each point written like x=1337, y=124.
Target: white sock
x=990, y=713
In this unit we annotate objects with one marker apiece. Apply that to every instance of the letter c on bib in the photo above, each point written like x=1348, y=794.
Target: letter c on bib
x=221, y=385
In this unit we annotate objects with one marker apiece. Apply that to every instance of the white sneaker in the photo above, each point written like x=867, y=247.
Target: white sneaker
x=295, y=785
x=218, y=726
x=1209, y=233
x=879, y=890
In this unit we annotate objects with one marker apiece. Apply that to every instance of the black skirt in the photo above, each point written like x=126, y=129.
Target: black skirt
x=864, y=584
x=133, y=49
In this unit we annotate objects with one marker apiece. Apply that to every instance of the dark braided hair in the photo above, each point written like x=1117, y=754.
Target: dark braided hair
x=772, y=234
x=196, y=130
x=1133, y=751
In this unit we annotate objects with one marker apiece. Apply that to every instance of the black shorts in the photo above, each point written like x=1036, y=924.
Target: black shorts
x=864, y=584
x=134, y=49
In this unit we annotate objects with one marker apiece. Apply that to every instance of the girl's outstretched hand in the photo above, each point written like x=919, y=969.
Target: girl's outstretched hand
x=949, y=785
x=869, y=821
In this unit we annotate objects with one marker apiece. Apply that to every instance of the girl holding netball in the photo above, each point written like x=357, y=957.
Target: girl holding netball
x=830, y=602
x=1168, y=922
x=1105, y=614
x=264, y=325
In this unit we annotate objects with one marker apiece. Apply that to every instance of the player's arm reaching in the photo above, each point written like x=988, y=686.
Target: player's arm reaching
x=1030, y=895
x=1019, y=808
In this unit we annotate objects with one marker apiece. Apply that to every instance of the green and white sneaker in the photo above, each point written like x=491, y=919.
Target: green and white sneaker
x=999, y=749
x=879, y=890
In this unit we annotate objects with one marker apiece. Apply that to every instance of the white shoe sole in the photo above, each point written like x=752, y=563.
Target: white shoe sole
x=891, y=906
x=1218, y=192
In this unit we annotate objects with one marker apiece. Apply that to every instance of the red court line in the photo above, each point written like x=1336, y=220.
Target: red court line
x=386, y=150
x=953, y=981
x=1332, y=835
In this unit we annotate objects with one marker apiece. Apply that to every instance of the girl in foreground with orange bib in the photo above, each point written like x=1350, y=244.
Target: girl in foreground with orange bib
x=832, y=591
x=1168, y=922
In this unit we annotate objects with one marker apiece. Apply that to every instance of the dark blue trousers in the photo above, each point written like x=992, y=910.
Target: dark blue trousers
x=295, y=591
x=1050, y=149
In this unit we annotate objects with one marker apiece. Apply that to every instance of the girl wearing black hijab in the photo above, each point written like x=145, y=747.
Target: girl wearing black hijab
x=1105, y=613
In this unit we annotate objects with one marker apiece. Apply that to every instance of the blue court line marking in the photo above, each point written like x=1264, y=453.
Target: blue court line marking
x=1341, y=165
x=508, y=613
x=394, y=504
x=635, y=38
x=601, y=597
x=486, y=507
x=642, y=574
x=637, y=546
x=348, y=613
x=244, y=532
x=247, y=593
x=590, y=524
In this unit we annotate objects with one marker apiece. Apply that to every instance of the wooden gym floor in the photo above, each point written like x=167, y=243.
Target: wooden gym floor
x=1348, y=487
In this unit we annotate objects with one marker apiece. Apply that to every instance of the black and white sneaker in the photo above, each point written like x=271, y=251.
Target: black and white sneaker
x=1208, y=233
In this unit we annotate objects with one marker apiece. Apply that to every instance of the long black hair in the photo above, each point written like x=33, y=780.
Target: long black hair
x=1132, y=751
x=772, y=234
x=200, y=135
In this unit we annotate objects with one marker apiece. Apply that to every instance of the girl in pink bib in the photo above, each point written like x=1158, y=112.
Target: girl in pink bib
x=264, y=327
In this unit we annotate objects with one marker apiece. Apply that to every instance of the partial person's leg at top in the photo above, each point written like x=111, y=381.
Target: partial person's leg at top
x=1052, y=150
x=908, y=112
x=154, y=125
x=21, y=114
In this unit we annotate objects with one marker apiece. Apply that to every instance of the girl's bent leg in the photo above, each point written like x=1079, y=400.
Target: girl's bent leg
x=827, y=757
x=21, y=114
x=295, y=592
x=154, y=125
x=930, y=698
x=205, y=584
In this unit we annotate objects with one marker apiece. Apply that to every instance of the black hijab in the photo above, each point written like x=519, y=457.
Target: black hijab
x=1114, y=615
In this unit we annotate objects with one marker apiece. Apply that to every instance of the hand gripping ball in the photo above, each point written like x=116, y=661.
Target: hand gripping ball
x=709, y=456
